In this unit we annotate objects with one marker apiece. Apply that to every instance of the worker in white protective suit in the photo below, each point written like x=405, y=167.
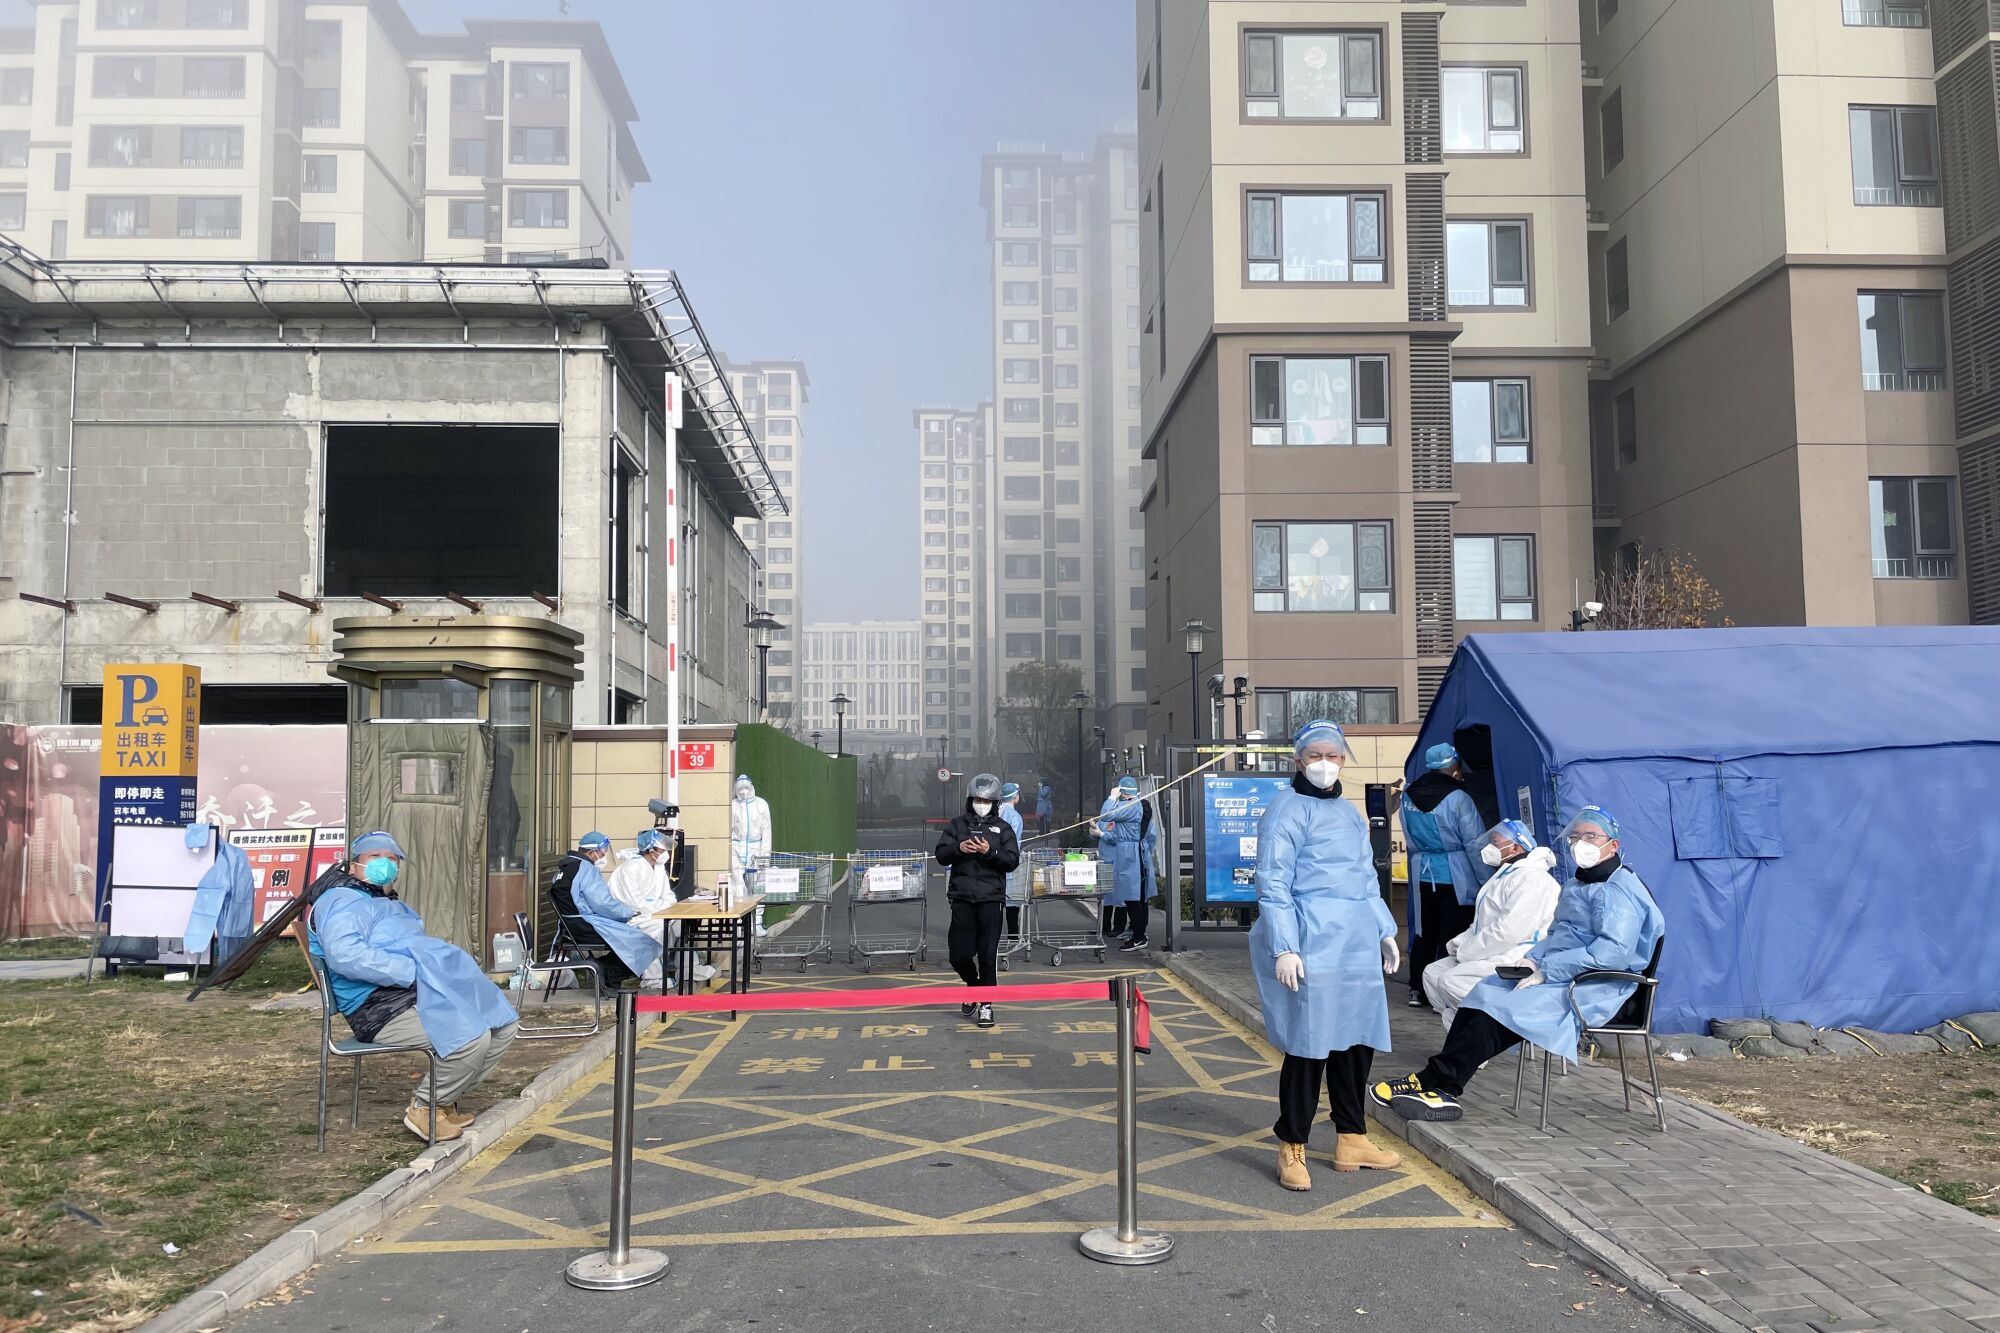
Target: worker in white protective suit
x=641, y=883
x=749, y=837
x=1513, y=911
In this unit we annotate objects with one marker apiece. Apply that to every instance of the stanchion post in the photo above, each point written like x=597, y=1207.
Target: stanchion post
x=1126, y=1244
x=621, y=1267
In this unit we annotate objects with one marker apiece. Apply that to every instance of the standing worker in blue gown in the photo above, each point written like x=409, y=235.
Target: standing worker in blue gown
x=1444, y=831
x=398, y=986
x=1606, y=921
x=1119, y=830
x=1010, y=812
x=1322, y=942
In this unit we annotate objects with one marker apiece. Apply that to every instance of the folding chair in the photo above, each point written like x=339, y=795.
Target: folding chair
x=552, y=967
x=1633, y=1019
x=350, y=1047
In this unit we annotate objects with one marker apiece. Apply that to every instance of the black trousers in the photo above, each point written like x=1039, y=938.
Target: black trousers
x=1442, y=917
x=975, y=941
x=1345, y=1074
x=1139, y=915
x=1114, y=920
x=1475, y=1037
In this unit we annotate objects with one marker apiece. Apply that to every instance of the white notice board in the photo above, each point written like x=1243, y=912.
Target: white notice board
x=155, y=856
x=779, y=884
x=883, y=880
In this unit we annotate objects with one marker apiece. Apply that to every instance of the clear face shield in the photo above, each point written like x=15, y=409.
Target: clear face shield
x=1508, y=840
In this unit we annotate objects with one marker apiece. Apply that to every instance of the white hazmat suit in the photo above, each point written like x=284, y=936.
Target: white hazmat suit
x=1512, y=912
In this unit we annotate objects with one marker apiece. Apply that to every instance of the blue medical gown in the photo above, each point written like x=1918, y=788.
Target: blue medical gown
x=608, y=915
x=1318, y=897
x=1119, y=845
x=1444, y=842
x=222, y=905
x=367, y=942
x=1611, y=926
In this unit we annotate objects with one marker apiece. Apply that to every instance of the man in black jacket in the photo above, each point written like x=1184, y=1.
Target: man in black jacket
x=980, y=851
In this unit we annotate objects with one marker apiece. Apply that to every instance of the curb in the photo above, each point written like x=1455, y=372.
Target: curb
x=1520, y=1202
x=317, y=1239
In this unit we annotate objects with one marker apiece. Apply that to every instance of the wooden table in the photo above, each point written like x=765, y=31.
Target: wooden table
x=705, y=924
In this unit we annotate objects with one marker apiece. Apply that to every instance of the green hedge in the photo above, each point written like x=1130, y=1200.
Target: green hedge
x=811, y=793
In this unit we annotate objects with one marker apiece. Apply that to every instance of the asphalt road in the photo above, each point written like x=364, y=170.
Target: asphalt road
x=895, y=1168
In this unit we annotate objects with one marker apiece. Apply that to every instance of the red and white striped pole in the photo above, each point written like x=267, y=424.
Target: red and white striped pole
x=673, y=525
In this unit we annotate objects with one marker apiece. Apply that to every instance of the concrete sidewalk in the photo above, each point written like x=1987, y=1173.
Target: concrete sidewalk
x=1728, y=1226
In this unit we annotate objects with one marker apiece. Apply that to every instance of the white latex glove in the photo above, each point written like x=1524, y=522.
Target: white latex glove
x=1392, y=957
x=1291, y=970
x=1534, y=978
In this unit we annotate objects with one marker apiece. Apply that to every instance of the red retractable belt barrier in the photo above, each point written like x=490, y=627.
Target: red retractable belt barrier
x=876, y=997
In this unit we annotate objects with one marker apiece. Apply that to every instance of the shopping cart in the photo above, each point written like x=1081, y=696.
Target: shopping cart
x=1015, y=923
x=875, y=882
x=1062, y=889
x=802, y=880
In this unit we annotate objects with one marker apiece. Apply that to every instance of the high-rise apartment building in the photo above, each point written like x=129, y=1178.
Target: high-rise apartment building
x=878, y=665
x=773, y=396
x=1365, y=344
x=1065, y=541
x=330, y=130
x=952, y=449
x=1792, y=301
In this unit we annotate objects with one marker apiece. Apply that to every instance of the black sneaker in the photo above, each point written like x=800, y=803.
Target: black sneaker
x=985, y=1015
x=966, y=1011
x=1134, y=946
x=1417, y=1000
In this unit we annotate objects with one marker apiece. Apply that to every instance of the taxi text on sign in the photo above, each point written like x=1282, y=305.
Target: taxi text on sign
x=152, y=720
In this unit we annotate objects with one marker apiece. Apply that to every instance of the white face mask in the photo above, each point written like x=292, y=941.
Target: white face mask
x=1585, y=854
x=982, y=808
x=1323, y=773
x=1490, y=855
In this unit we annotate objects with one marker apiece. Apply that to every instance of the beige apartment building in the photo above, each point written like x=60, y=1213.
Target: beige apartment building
x=176, y=130
x=773, y=397
x=1793, y=197
x=1064, y=532
x=1365, y=344
x=878, y=665
x=952, y=447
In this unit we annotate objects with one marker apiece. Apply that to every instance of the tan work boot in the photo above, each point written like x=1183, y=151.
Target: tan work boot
x=458, y=1117
x=417, y=1119
x=1353, y=1152
x=1292, y=1173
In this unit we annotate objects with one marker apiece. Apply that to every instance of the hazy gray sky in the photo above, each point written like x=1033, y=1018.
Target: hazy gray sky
x=816, y=183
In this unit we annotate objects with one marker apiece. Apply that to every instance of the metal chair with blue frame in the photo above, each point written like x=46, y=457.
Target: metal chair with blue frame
x=553, y=967
x=1633, y=1019
x=355, y=1049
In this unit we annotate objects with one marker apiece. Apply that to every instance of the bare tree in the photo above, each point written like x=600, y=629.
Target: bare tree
x=1658, y=590
x=1038, y=713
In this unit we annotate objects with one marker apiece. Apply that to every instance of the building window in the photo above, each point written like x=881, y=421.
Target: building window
x=210, y=219
x=1020, y=331
x=1902, y=341
x=1489, y=421
x=539, y=83
x=58, y=238
x=1617, y=281
x=1315, y=238
x=1066, y=414
x=468, y=92
x=1069, y=609
x=539, y=146
x=122, y=76
x=1483, y=111
x=1064, y=223
x=780, y=427
x=1493, y=578
x=322, y=39
x=17, y=86
x=1069, y=569
x=1021, y=488
x=1606, y=11
x=538, y=208
x=1487, y=263
x=121, y=146
x=322, y=173
x=1024, y=645
x=1313, y=75
x=1320, y=567
x=1885, y=13
x=1023, y=567
x=1895, y=155
x=467, y=218
x=222, y=146
x=1069, y=492
x=1022, y=371
x=62, y=171
x=1280, y=713
x=1069, y=647
x=1625, y=427
x=1066, y=337
x=1020, y=293
x=1024, y=606
x=13, y=148
x=1611, y=129
x=315, y=240
x=1020, y=449
x=112, y=215
x=1064, y=298
x=1319, y=400
x=468, y=157
x=13, y=210
x=1021, y=409
x=1066, y=377
x=319, y=108
x=1018, y=215
x=1017, y=254
x=1021, y=527
x=128, y=13
x=1065, y=259
x=1910, y=528
x=212, y=76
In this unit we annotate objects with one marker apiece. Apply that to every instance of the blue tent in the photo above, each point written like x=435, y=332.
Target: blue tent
x=1817, y=811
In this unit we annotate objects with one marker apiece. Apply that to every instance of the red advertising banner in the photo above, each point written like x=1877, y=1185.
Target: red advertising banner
x=278, y=867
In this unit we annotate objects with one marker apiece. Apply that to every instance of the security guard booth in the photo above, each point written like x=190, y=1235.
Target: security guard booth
x=458, y=742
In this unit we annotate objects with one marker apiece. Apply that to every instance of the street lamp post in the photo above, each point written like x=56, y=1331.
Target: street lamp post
x=1196, y=635
x=840, y=702
x=763, y=626
x=815, y=738
x=1079, y=701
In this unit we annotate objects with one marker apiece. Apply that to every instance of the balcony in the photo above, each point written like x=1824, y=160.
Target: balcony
x=1921, y=195
x=1918, y=567
x=1903, y=381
